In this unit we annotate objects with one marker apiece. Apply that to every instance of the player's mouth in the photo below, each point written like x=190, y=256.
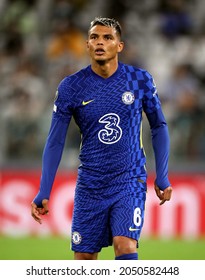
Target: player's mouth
x=99, y=51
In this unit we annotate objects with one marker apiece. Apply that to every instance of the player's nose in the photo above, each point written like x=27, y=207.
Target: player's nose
x=100, y=43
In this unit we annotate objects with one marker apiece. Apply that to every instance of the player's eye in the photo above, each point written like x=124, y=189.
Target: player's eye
x=108, y=37
x=93, y=37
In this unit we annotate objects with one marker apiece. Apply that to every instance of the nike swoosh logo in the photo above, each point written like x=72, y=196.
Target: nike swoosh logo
x=133, y=229
x=87, y=102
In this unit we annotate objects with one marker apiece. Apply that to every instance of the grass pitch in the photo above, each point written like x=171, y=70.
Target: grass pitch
x=58, y=248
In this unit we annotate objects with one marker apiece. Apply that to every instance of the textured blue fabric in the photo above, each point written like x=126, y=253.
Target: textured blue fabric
x=109, y=115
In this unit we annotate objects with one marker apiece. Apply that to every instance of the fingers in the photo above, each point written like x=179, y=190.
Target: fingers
x=162, y=201
x=167, y=194
x=158, y=192
x=163, y=195
x=45, y=206
x=36, y=212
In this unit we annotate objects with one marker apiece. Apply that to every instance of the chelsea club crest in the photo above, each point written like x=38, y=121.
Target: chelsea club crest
x=128, y=97
x=76, y=237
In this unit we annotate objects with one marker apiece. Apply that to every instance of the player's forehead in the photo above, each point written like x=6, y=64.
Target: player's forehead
x=102, y=30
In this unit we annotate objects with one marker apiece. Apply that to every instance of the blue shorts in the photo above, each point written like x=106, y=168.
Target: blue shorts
x=97, y=219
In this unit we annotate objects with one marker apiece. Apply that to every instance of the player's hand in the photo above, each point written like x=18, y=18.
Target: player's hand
x=164, y=195
x=36, y=212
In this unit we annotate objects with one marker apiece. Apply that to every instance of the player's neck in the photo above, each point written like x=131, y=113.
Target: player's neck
x=106, y=69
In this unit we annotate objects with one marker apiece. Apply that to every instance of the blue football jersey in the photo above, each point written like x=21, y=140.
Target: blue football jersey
x=109, y=115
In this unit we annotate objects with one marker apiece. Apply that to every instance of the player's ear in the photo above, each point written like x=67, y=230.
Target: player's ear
x=120, y=46
x=87, y=45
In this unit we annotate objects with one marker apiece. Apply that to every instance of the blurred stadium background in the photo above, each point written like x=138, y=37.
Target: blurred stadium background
x=43, y=41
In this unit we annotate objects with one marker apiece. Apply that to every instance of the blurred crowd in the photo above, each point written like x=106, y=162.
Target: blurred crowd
x=43, y=41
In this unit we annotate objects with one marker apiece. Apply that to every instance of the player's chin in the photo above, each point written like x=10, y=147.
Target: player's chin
x=100, y=61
